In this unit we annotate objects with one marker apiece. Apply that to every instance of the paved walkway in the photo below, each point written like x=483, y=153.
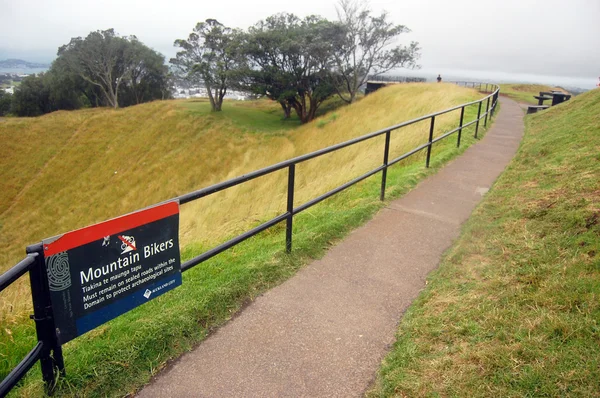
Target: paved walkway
x=324, y=332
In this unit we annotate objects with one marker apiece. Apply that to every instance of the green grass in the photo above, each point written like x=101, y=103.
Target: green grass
x=262, y=116
x=268, y=119
x=514, y=308
x=120, y=356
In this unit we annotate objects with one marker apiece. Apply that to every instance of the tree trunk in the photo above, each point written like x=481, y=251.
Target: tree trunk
x=313, y=109
x=301, y=112
x=222, y=92
x=210, y=97
x=287, y=109
x=134, y=86
x=218, y=101
x=110, y=97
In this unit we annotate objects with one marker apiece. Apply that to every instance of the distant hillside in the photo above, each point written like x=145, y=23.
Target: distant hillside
x=21, y=64
x=525, y=93
x=573, y=90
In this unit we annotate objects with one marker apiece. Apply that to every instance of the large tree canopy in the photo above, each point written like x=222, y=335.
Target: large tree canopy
x=364, y=45
x=31, y=98
x=290, y=61
x=113, y=64
x=211, y=55
x=103, y=69
x=149, y=77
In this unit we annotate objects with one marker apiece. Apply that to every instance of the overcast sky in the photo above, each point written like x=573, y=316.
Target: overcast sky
x=526, y=37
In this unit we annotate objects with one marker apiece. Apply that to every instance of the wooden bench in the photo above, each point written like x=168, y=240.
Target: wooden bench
x=535, y=108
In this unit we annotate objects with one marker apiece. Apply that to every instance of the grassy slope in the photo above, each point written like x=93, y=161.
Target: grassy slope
x=66, y=170
x=119, y=356
x=514, y=308
x=525, y=92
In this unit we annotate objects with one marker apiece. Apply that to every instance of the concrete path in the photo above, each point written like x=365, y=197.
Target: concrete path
x=324, y=332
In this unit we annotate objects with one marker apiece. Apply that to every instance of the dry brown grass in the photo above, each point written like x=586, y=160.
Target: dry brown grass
x=66, y=170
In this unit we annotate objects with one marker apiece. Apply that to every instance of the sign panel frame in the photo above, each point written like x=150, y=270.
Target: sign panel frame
x=101, y=271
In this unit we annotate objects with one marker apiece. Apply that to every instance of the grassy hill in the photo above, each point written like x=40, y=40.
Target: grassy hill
x=69, y=169
x=514, y=309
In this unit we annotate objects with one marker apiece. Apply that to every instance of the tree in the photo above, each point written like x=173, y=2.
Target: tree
x=67, y=90
x=101, y=70
x=290, y=61
x=211, y=55
x=104, y=60
x=5, y=102
x=363, y=46
x=149, y=78
x=31, y=97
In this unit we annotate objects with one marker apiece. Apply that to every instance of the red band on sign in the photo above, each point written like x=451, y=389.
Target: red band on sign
x=111, y=227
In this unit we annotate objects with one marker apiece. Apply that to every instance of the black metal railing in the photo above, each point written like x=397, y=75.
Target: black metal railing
x=48, y=351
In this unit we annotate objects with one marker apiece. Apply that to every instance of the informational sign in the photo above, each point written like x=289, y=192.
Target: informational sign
x=102, y=271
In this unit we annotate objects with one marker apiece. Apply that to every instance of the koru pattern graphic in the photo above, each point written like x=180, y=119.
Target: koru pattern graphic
x=59, y=276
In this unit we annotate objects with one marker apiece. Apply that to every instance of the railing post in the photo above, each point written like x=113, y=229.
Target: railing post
x=430, y=141
x=487, y=109
x=496, y=102
x=51, y=358
x=462, y=116
x=386, y=153
x=478, y=117
x=290, y=208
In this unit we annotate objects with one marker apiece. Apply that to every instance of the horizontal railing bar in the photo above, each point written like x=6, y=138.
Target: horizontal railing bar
x=408, y=154
x=441, y=137
x=278, y=166
x=470, y=123
x=299, y=159
x=17, y=271
x=447, y=110
x=232, y=242
x=21, y=369
x=337, y=190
